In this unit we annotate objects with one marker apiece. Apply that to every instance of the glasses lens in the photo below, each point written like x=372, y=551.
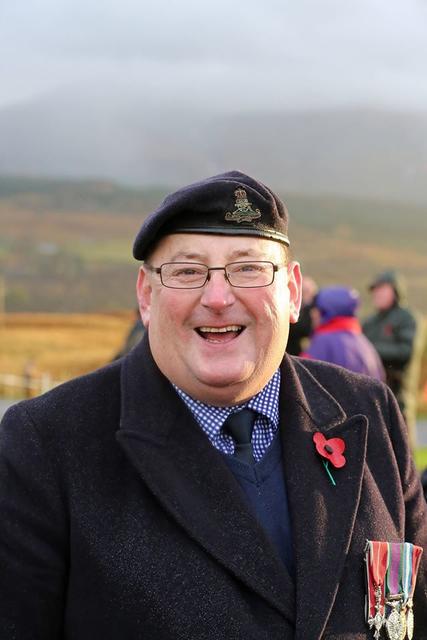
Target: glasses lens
x=250, y=274
x=183, y=275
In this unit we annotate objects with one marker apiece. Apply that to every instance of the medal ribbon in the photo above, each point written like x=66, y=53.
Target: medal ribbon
x=391, y=569
x=377, y=566
x=416, y=557
x=403, y=562
x=394, y=573
x=407, y=569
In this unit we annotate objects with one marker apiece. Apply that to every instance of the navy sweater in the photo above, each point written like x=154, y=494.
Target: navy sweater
x=264, y=488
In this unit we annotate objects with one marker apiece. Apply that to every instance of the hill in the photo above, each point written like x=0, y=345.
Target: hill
x=66, y=245
x=90, y=196
x=367, y=152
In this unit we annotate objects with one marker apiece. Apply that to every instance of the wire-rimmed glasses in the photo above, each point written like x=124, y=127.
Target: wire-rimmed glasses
x=194, y=275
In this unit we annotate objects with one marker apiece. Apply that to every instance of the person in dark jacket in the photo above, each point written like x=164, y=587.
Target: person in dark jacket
x=337, y=335
x=207, y=485
x=398, y=335
x=300, y=331
x=132, y=338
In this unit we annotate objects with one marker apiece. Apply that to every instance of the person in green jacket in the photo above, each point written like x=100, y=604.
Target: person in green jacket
x=397, y=333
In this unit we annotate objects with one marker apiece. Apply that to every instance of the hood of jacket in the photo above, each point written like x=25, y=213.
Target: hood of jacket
x=333, y=302
x=395, y=280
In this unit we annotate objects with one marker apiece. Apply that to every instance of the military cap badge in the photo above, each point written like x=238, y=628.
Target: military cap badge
x=243, y=211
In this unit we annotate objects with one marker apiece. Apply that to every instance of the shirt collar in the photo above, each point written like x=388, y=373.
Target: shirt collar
x=211, y=418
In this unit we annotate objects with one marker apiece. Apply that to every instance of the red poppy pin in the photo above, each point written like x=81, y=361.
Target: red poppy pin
x=332, y=450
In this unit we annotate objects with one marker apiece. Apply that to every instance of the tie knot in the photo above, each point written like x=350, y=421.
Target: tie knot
x=239, y=425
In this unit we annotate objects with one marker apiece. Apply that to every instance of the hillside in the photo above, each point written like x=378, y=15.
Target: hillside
x=367, y=152
x=66, y=245
x=90, y=196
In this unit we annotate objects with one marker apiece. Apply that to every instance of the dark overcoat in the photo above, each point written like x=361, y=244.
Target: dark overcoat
x=119, y=520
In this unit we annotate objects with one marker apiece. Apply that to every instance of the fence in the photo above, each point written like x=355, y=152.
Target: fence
x=27, y=385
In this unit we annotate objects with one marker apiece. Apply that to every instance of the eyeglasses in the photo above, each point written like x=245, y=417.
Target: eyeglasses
x=193, y=275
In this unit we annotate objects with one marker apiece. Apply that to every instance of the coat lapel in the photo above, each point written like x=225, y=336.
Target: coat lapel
x=192, y=482
x=322, y=515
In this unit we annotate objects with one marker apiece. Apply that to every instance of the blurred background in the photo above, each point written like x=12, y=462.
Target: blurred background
x=105, y=107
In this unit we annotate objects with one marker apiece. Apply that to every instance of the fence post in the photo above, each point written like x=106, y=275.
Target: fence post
x=45, y=382
x=28, y=379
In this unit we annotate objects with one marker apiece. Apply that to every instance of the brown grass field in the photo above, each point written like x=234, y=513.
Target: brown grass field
x=59, y=346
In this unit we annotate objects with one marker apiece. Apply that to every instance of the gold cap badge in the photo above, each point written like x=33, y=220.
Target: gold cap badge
x=243, y=211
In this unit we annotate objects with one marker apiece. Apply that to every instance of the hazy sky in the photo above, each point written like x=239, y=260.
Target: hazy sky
x=241, y=54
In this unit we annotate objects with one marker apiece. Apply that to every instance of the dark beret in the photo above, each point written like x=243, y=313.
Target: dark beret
x=227, y=204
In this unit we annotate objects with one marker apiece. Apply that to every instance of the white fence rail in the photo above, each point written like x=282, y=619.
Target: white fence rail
x=26, y=385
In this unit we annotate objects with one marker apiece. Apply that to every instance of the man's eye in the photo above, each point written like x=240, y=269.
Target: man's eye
x=187, y=271
x=247, y=267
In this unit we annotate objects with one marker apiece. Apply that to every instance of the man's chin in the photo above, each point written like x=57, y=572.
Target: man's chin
x=224, y=376
x=225, y=389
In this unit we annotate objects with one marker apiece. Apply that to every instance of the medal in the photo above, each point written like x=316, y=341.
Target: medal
x=391, y=571
x=394, y=624
x=410, y=620
x=378, y=620
x=403, y=624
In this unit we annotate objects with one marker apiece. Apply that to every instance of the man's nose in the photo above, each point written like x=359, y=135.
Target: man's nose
x=217, y=292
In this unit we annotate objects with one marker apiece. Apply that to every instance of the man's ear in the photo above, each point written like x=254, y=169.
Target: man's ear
x=295, y=291
x=143, y=293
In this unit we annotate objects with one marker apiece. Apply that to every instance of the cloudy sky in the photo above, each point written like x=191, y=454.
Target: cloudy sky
x=224, y=54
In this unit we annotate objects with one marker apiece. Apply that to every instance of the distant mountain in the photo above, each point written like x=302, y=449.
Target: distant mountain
x=64, y=195
x=353, y=152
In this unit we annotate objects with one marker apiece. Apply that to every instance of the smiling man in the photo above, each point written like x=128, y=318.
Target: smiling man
x=208, y=486
x=218, y=333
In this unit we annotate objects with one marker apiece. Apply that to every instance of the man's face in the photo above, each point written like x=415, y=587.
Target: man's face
x=383, y=296
x=220, y=344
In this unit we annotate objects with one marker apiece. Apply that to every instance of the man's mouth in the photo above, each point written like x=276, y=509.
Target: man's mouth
x=220, y=334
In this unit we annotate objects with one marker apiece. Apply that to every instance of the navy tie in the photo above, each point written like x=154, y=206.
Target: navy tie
x=239, y=426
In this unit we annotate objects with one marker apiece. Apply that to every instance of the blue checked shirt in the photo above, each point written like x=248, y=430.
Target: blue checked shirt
x=265, y=403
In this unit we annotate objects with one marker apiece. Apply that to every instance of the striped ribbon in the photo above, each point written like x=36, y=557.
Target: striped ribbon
x=377, y=560
x=407, y=572
x=416, y=559
x=394, y=574
x=403, y=562
x=392, y=567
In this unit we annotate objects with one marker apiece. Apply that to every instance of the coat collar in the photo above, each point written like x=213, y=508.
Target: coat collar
x=192, y=482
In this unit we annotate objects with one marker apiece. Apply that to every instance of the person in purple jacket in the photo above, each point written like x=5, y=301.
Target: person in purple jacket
x=338, y=336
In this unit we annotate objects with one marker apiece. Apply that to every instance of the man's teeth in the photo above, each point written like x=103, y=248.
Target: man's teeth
x=231, y=327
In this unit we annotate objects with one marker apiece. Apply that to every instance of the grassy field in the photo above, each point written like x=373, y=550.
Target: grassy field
x=59, y=346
